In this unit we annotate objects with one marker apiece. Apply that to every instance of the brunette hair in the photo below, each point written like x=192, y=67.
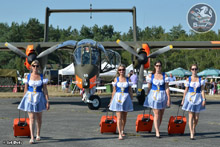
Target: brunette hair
x=158, y=61
x=194, y=65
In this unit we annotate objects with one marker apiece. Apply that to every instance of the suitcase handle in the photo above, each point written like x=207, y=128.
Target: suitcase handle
x=107, y=120
x=179, y=121
x=148, y=118
x=23, y=123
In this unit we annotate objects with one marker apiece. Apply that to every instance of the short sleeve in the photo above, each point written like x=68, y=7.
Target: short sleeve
x=113, y=83
x=25, y=81
x=130, y=83
x=167, y=80
x=186, y=83
x=202, y=82
x=148, y=79
x=45, y=81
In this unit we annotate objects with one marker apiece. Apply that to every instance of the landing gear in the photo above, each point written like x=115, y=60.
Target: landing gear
x=141, y=97
x=95, y=102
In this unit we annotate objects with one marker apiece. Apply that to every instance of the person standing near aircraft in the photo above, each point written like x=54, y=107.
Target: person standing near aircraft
x=193, y=99
x=158, y=97
x=35, y=100
x=121, y=100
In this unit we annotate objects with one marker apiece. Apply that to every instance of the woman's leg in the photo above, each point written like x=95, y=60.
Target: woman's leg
x=124, y=119
x=119, y=124
x=32, y=123
x=195, y=121
x=161, y=112
x=191, y=120
x=39, y=122
x=156, y=121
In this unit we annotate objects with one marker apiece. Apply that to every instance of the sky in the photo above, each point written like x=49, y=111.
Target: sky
x=165, y=13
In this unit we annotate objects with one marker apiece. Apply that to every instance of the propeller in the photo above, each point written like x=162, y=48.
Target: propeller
x=16, y=50
x=55, y=47
x=142, y=59
x=128, y=48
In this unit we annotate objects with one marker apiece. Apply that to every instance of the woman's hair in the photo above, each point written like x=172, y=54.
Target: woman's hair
x=35, y=62
x=158, y=61
x=121, y=65
x=193, y=65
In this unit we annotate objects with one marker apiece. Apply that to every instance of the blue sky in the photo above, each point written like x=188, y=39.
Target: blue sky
x=167, y=13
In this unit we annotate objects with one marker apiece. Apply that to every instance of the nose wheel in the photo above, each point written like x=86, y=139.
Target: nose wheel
x=95, y=102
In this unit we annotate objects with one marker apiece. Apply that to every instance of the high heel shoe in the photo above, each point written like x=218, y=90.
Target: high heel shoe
x=31, y=141
x=38, y=138
x=120, y=137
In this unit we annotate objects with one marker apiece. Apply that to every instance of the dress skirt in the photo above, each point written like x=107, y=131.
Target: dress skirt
x=121, y=102
x=156, y=99
x=193, y=103
x=33, y=102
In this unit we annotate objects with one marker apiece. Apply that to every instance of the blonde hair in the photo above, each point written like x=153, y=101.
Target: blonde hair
x=121, y=65
x=35, y=62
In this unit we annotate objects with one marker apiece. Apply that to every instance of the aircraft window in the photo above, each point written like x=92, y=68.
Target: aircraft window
x=77, y=54
x=95, y=56
x=86, y=55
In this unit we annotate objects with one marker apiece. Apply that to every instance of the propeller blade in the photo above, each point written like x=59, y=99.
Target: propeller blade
x=55, y=47
x=140, y=79
x=16, y=50
x=160, y=51
x=128, y=48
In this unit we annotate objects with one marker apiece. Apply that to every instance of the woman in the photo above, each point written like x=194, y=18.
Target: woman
x=193, y=99
x=121, y=100
x=35, y=100
x=159, y=96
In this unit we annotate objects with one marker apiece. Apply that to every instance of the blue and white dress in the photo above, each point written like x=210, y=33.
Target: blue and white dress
x=157, y=97
x=121, y=100
x=34, y=99
x=193, y=99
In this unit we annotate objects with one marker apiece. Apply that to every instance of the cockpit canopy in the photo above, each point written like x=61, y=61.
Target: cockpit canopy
x=88, y=52
x=91, y=52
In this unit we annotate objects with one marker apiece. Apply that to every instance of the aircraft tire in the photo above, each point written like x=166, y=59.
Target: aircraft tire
x=141, y=98
x=97, y=105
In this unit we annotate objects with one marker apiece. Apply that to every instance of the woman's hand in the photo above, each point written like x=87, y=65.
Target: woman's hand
x=203, y=103
x=168, y=103
x=48, y=105
x=182, y=103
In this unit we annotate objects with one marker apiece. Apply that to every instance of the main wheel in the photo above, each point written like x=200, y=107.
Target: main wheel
x=96, y=102
x=141, y=98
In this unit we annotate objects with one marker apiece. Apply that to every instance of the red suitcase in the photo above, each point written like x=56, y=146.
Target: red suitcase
x=144, y=122
x=21, y=126
x=108, y=124
x=177, y=124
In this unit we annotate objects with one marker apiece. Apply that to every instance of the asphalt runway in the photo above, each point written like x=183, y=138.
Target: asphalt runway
x=69, y=123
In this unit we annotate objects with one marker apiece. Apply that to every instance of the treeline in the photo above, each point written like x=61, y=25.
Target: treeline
x=33, y=31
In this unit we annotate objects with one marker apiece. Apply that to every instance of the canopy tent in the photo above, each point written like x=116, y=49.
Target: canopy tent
x=69, y=70
x=209, y=72
x=179, y=72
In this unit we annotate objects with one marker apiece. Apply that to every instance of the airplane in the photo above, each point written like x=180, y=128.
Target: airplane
x=90, y=59
x=88, y=67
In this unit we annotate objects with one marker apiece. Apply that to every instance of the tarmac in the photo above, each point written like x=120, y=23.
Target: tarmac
x=70, y=123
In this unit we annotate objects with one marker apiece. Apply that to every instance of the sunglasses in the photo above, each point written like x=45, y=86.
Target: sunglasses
x=194, y=69
x=121, y=69
x=158, y=65
x=35, y=66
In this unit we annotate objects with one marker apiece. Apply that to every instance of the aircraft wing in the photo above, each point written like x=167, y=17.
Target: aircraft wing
x=115, y=46
x=160, y=44
x=23, y=45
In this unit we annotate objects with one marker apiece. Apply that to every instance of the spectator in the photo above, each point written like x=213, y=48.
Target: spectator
x=134, y=78
x=218, y=87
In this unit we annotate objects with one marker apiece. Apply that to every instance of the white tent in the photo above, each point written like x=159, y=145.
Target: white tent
x=69, y=70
